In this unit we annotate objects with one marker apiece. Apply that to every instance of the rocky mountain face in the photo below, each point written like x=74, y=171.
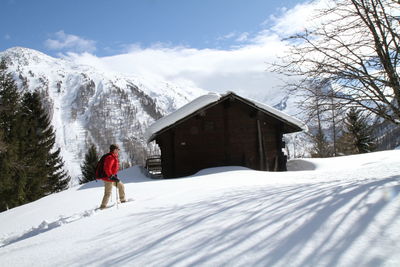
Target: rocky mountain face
x=88, y=106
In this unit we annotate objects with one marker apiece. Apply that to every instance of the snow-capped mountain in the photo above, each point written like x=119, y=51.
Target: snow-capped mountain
x=90, y=106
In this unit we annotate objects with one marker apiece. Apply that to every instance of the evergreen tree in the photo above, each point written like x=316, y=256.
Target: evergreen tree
x=89, y=165
x=357, y=137
x=13, y=171
x=46, y=166
x=321, y=148
x=3, y=145
x=9, y=103
x=31, y=167
x=31, y=152
x=58, y=179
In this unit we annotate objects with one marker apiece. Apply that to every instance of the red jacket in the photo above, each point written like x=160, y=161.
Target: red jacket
x=111, y=166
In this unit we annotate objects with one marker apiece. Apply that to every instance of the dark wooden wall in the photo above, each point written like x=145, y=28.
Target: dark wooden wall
x=230, y=133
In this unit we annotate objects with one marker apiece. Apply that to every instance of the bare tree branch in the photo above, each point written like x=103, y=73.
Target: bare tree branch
x=356, y=49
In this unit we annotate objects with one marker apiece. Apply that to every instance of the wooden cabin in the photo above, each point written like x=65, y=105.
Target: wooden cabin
x=222, y=130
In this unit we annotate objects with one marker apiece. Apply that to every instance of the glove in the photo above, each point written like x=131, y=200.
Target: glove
x=114, y=178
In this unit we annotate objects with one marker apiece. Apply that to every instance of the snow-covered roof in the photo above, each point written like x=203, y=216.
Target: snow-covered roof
x=208, y=100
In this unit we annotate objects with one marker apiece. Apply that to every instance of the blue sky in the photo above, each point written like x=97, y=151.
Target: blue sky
x=106, y=27
x=216, y=45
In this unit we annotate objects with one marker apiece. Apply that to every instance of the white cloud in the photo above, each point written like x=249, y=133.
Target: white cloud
x=243, y=37
x=237, y=37
x=227, y=36
x=7, y=37
x=298, y=18
x=70, y=42
x=240, y=69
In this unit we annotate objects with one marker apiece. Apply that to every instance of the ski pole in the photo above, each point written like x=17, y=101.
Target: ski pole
x=116, y=191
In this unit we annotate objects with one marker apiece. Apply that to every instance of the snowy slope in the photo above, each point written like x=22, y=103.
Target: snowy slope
x=324, y=212
x=92, y=106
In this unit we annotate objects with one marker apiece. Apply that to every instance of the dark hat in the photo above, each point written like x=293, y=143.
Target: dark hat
x=114, y=146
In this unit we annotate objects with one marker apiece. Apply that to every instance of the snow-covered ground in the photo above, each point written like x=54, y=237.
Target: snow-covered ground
x=324, y=212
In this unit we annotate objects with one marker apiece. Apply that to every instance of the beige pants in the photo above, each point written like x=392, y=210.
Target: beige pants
x=107, y=192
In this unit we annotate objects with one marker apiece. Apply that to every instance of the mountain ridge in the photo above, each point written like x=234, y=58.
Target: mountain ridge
x=90, y=106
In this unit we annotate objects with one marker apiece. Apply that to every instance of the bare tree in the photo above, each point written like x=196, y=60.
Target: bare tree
x=355, y=47
x=324, y=117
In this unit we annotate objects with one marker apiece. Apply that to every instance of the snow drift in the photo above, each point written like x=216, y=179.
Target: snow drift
x=324, y=212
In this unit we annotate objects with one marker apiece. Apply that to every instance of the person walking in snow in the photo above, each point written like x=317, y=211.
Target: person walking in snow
x=107, y=170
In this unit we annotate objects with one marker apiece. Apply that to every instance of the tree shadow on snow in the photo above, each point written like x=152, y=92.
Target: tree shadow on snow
x=296, y=225
x=300, y=165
